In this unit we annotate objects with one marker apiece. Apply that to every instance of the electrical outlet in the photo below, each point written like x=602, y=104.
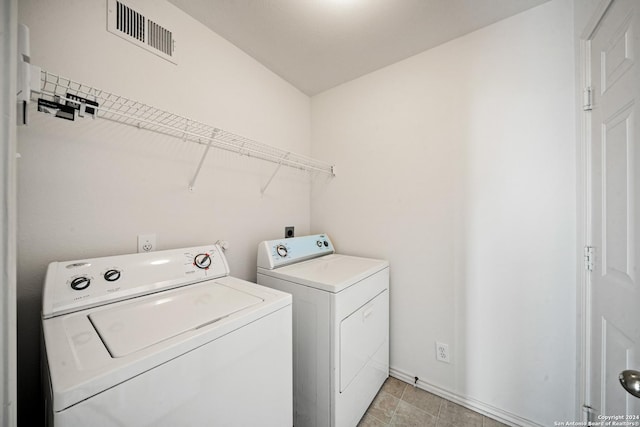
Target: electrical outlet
x=146, y=242
x=442, y=352
x=289, y=232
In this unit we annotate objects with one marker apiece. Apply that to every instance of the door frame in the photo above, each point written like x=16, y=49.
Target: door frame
x=8, y=324
x=584, y=219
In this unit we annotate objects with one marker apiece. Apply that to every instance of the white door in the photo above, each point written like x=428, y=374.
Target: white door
x=614, y=49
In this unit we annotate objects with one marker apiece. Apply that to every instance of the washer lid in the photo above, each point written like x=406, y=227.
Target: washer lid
x=80, y=366
x=331, y=273
x=133, y=326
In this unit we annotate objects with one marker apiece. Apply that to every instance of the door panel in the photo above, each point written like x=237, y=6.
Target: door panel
x=617, y=212
x=618, y=351
x=617, y=57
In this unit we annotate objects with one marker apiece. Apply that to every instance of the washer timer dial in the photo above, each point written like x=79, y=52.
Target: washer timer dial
x=281, y=250
x=202, y=261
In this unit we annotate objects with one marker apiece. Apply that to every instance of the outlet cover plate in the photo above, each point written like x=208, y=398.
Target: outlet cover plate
x=289, y=232
x=442, y=352
x=146, y=243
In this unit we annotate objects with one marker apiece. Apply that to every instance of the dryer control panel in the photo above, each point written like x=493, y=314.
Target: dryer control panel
x=76, y=285
x=277, y=253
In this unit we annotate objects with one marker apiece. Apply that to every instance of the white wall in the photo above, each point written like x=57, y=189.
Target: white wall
x=458, y=165
x=88, y=188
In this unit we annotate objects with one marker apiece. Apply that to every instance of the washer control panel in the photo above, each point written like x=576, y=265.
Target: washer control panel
x=276, y=253
x=76, y=285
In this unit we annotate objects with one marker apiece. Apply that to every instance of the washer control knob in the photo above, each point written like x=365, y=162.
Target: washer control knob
x=319, y=243
x=112, y=275
x=80, y=283
x=281, y=250
x=326, y=244
x=202, y=261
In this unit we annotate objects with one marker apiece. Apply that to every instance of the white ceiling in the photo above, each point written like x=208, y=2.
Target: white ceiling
x=318, y=44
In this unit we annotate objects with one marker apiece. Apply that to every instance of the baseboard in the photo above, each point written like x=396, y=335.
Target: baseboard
x=473, y=404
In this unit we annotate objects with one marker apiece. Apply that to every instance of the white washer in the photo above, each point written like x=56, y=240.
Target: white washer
x=340, y=326
x=164, y=339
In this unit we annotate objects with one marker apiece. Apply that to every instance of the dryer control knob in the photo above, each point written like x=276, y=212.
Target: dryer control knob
x=80, y=283
x=281, y=250
x=202, y=261
x=112, y=275
x=319, y=243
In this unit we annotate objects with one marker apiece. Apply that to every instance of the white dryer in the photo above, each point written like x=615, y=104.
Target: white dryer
x=340, y=326
x=164, y=339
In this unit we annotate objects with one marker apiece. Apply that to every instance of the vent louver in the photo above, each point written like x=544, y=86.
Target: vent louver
x=136, y=27
x=130, y=22
x=160, y=38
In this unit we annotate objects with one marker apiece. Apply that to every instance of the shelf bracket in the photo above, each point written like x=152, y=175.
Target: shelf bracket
x=273, y=175
x=204, y=155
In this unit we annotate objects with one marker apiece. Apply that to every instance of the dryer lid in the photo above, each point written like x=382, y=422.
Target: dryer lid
x=139, y=324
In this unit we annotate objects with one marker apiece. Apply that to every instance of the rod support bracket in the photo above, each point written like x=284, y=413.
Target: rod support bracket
x=192, y=183
x=273, y=175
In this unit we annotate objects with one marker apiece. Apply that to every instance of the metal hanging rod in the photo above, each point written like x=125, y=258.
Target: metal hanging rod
x=88, y=100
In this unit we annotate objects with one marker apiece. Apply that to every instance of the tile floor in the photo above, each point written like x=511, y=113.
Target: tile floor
x=399, y=404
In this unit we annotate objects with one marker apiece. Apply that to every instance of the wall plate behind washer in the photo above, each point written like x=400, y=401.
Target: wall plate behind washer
x=289, y=232
x=146, y=243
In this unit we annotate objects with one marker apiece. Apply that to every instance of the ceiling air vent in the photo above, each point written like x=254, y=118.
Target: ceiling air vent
x=136, y=27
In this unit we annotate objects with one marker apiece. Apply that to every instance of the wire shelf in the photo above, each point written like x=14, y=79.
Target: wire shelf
x=123, y=110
